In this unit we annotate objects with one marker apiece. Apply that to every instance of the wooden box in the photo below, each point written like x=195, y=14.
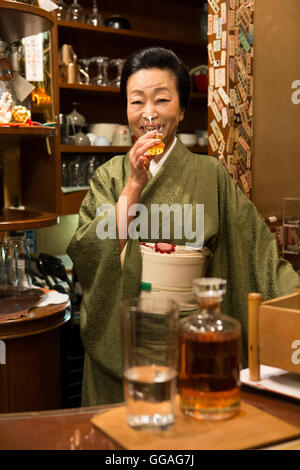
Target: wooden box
x=274, y=333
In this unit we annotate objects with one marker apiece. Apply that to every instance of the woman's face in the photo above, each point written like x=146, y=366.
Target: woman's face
x=153, y=92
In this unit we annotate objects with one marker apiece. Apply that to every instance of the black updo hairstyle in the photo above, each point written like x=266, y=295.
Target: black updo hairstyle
x=159, y=58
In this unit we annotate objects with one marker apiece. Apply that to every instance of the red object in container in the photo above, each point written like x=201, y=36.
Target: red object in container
x=201, y=82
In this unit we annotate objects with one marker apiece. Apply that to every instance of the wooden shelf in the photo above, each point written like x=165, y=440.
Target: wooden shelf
x=93, y=149
x=37, y=131
x=84, y=88
x=14, y=219
x=113, y=149
x=19, y=20
x=290, y=252
x=129, y=33
x=111, y=89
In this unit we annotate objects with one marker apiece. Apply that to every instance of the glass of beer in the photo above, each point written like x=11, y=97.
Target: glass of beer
x=209, y=356
x=150, y=358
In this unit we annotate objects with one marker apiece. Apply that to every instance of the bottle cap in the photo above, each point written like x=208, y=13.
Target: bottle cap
x=209, y=287
x=145, y=286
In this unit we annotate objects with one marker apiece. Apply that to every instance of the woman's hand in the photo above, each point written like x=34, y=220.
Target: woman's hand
x=138, y=177
x=140, y=159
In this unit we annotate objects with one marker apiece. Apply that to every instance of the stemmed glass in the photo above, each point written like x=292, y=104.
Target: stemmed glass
x=101, y=78
x=75, y=12
x=119, y=63
x=95, y=18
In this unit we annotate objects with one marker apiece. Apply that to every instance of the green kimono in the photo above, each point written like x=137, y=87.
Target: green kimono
x=244, y=253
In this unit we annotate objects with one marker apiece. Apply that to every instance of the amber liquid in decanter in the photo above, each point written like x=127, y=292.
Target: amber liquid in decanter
x=209, y=363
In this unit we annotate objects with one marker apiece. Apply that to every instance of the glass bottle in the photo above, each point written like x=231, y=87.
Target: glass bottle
x=95, y=18
x=90, y=169
x=209, y=356
x=78, y=173
x=62, y=10
x=65, y=181
x=75, y=12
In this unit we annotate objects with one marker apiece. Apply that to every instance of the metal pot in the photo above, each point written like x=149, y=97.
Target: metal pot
x=118, y=22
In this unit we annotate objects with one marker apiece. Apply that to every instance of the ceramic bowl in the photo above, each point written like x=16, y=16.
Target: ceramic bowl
x=101, y=141
x=188, y=139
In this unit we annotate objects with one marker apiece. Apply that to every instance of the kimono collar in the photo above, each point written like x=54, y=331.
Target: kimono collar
x=154, y=167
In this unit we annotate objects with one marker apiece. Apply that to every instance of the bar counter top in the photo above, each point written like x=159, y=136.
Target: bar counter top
x=71, y=429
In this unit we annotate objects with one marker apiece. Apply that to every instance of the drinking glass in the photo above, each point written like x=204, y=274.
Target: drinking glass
x=150, y=351
x=85, y=64
x=65, y=137
x=23, y=256
x=8, y=269
x=95, y=18
x=119, y=63
x=101, y=78
x=75, y=12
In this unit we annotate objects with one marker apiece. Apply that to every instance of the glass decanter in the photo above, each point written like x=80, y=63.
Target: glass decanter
x=75, y=120
x=209, y=356
x=95, y=18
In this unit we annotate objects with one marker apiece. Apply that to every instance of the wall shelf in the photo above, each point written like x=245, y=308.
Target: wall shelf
x=38, y=131
x=19, y=20
x=85, y=88
x=80, y=87
x=93, y=149
x=132, y=34
x=118, y=150
x=15, y=219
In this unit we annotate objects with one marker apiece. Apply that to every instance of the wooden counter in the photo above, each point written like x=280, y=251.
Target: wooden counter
x=30, y=378
x=72, y=429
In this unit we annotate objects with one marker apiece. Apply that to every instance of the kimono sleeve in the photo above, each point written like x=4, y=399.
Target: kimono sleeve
x=246, y=254
x=98, y=267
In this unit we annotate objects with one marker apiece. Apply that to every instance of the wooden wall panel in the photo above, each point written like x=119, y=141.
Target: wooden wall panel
x=276, y=145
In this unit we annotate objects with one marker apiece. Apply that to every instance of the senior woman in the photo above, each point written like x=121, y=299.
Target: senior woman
x=155, y=88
